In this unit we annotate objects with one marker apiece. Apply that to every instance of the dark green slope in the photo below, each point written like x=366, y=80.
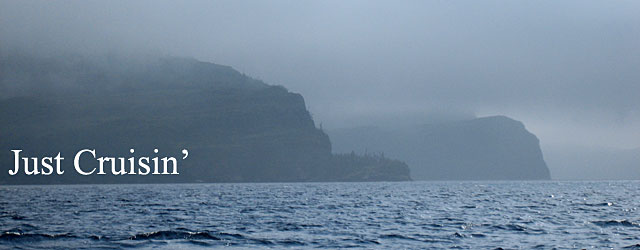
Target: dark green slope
x=237, y=129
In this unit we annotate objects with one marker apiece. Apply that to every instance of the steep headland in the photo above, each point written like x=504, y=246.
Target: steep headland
x=489, y=148
x=237, y=129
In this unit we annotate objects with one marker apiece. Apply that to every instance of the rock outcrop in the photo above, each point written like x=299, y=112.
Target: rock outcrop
x=489, y=148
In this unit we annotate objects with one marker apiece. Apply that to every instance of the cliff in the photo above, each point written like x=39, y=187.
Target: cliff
x=237, y=129
x=490, y=148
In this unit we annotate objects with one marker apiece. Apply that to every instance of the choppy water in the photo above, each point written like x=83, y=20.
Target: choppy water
x=466, y=215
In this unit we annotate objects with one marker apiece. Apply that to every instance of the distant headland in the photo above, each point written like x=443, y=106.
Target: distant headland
x=237, y=129
x=488, y=148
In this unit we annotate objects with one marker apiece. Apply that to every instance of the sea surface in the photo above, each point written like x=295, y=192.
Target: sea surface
x=388, y=215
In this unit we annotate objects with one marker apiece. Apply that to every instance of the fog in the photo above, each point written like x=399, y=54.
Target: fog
x=568, y=69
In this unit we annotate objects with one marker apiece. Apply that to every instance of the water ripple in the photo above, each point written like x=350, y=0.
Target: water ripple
x=413, y=215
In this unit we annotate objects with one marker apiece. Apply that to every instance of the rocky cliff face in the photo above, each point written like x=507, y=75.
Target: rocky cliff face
x=236, y=129
x=490, y=148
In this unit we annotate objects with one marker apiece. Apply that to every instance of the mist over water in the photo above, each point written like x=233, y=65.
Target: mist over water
x=567, y=69
x=325, y=119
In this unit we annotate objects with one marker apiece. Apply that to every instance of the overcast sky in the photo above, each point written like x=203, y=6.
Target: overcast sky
x=570, y=70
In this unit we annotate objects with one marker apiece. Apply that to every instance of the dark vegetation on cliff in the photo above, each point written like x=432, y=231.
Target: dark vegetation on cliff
x=237, y=129
x=490, y=148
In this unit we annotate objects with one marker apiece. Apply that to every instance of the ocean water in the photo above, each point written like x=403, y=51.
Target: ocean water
x=413, y=215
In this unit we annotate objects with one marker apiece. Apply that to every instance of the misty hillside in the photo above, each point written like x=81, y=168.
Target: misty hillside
x=490, y=148
x=237, y=129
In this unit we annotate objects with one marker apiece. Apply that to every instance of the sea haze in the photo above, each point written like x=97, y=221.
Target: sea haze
x=466, y=215
x=333, y=124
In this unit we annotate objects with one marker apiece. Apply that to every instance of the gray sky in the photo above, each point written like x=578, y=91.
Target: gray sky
x=570, y=70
